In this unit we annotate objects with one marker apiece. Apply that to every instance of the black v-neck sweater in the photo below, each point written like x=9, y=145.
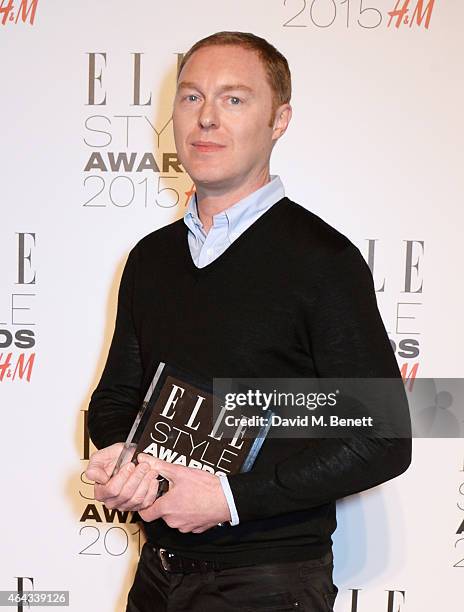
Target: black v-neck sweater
x=291, y=297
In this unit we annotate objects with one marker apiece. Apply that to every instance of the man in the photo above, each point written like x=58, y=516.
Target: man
x=249, y=284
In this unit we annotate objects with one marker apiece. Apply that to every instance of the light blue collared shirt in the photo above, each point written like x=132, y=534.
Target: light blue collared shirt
x=228, y=224
x=227, y=227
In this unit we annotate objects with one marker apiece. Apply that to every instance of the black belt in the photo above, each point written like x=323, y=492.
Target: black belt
x=176, y=564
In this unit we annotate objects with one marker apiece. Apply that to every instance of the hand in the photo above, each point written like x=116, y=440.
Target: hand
x=132, y=488
x=195, y=501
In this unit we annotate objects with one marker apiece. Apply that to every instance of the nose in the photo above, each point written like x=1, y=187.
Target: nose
x=208, y=117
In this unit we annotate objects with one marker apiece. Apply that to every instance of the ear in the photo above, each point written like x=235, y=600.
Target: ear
x=281, y=120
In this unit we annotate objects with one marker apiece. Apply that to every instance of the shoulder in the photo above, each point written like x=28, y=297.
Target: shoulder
x=309, y=243
x=160, y=242
x=309, y=235
x=328, y=256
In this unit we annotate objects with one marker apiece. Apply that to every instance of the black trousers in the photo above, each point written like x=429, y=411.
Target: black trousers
x=302, y=586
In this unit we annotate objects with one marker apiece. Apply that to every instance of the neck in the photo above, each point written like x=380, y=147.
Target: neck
x=210, y=203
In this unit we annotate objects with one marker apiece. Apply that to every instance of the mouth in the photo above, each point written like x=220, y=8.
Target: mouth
x=206, y=146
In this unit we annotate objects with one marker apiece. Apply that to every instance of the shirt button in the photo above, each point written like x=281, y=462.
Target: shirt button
x=210, y=252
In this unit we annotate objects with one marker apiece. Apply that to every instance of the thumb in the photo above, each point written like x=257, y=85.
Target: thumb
x=97, y=474
x=168, y=470
x=153, y=512
x=173, y=473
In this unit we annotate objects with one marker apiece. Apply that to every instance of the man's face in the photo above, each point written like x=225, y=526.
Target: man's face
x=221, y=117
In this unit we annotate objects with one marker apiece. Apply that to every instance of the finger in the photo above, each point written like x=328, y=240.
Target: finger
x=102, y=462
x=171, y=472
x=102, y=495
x=153, y=462
x=111, y=489
x=156, y=464
x=109, y=453
x=150, y=497
x=146, y=514
x=131, y=485
x=137, y=500
x=114, y=449
x=124, y=457
x=97, y=474
x=153, y=512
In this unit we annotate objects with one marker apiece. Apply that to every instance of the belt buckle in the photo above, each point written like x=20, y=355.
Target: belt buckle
x=163, y=555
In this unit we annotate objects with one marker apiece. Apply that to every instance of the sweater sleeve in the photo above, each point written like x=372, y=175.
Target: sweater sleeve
x=116, y=399
x=347, y=339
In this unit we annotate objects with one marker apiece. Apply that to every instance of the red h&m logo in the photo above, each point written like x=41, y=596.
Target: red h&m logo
x=402, y=14
x=26, y=11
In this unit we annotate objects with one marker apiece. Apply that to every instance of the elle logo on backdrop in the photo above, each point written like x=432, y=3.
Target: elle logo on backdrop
x=16, y=318
x=130, y=158
x=393, y=601
x=403, y=324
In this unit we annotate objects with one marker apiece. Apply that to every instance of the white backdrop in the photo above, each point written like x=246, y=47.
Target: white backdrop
x=374, y=148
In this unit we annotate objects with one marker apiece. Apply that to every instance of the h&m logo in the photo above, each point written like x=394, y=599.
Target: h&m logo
x=403, y=15
x=25, y=12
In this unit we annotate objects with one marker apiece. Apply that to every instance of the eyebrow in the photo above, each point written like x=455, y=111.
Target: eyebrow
x=222, y=89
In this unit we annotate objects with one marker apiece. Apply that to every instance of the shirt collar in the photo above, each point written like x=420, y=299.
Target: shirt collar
x=240, y=213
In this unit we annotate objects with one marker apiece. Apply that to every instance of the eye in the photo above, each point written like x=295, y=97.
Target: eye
x=191, y=98
x=234, y=100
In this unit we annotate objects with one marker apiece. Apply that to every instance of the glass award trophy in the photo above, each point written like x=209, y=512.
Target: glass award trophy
x=180, y=422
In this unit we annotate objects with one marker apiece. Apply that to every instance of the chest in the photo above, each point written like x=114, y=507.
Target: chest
x=231, y=322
